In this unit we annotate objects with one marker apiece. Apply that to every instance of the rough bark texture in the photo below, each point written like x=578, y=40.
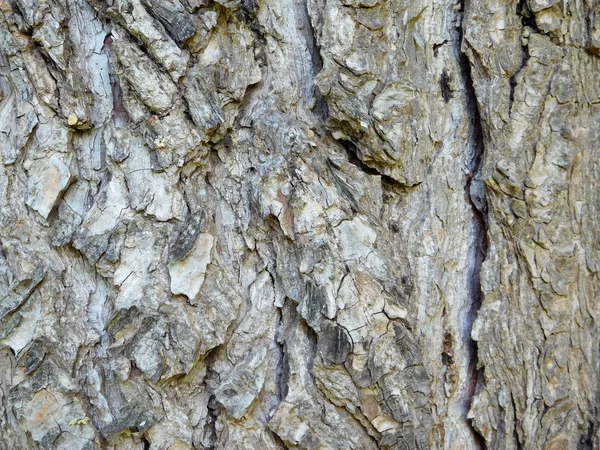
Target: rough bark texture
x=307, y=224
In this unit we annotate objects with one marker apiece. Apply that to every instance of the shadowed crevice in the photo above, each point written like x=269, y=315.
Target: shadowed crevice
x=479, y=245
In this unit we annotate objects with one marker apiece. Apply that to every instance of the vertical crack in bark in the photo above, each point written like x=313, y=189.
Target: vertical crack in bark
x=210, y=430
x=528, y=24
x=476, y=148
x=526, y=15
x=146, y=443
x=320, y=107
x=213, y=407
x=120, y=114
x=282, y=370
x=515, y=432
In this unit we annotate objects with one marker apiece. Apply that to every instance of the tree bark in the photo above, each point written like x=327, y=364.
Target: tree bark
x=302, y=224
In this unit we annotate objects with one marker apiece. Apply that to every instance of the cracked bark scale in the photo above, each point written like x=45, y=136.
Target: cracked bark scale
x=303, y=224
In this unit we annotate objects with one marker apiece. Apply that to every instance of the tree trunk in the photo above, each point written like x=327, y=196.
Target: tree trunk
x=303, y=224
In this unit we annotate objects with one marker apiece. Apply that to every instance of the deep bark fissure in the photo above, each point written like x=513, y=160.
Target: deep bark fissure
x=282, y=370
x=586, y=441
x=513, y=79
x=527, y=17
x=515, y=424
x=354, y=159
x=213, y=407
x=479, y=219
x=528, y=23
x=320, y=107
x=210, y=430
x=119, y=112
x=279, y=441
